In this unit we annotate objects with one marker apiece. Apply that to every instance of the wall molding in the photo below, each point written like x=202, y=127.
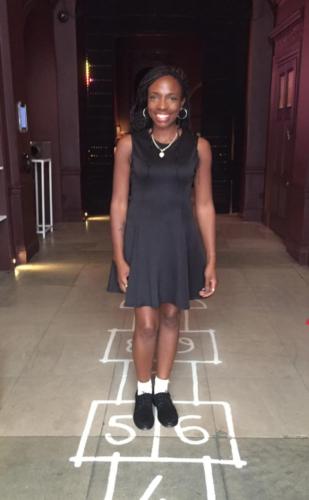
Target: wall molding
x=288, y=23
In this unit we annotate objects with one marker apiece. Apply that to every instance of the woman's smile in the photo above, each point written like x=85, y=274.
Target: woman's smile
x=162, y=117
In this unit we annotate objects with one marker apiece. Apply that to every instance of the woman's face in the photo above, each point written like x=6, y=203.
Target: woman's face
x=164, y=101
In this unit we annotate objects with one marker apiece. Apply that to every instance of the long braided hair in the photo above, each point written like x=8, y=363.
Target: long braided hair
x=137, y=120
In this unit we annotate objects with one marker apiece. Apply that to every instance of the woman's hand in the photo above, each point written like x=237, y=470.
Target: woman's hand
x=123, y=271
x=210, y=281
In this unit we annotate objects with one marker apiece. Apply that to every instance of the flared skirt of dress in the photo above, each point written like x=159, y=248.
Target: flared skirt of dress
x=166, y=259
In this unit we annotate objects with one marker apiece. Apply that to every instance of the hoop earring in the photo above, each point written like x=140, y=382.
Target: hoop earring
x=183, y=117
x=144, y=113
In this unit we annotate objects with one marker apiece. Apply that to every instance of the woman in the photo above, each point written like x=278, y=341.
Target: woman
x=159, y=246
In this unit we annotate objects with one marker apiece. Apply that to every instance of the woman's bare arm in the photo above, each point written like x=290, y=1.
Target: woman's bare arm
x=205, y=214
x=119, y=202
x=204, y=207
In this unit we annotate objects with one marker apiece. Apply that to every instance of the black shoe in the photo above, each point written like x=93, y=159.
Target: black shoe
x=143, y=413
x=167, y=413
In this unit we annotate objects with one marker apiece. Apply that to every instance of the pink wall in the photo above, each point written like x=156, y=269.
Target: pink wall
x=291, y=39
x=52, y=87
x=68, y=111
x=301, y=165
x=39, y=67
x=41, y=81
x=286, y=7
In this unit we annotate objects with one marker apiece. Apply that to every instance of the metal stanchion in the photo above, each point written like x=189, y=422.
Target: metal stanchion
x=40, y=166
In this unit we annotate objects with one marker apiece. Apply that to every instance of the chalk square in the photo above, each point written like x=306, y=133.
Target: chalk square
x=190, y=346
x=156, y=480
x=161, y=479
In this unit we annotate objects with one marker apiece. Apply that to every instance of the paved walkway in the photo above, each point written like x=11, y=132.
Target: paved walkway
x=240, y=382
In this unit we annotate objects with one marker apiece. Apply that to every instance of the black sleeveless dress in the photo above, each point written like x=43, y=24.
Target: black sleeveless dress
x=162, y=242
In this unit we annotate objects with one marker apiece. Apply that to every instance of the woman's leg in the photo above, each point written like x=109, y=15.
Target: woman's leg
x=166, y=350
x=144, y=344
x=144, y=341
x=168, y=339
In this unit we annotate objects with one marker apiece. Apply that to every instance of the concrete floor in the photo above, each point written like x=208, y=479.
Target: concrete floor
x=241, y=380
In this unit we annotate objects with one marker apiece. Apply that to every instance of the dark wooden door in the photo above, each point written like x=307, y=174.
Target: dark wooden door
x=283, y=139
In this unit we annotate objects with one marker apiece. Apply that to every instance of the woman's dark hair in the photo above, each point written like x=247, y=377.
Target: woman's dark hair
x=137, y=120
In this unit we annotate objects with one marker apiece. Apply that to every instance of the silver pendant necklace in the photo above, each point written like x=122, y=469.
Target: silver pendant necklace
x=162, y=153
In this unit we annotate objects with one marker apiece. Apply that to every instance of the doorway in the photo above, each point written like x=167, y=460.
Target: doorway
x=119, y=42
x=282, y=141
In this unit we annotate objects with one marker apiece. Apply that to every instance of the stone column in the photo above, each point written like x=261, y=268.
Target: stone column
x=258, y=95
x=68, y=111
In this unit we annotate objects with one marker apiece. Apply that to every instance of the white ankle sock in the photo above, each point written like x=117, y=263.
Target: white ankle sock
x=160, y=385
x=143, y=387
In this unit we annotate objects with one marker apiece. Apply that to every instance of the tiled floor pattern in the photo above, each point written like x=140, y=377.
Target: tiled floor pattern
x=55, y=327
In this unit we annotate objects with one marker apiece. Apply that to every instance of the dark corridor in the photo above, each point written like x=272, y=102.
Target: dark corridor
x=120, y=40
